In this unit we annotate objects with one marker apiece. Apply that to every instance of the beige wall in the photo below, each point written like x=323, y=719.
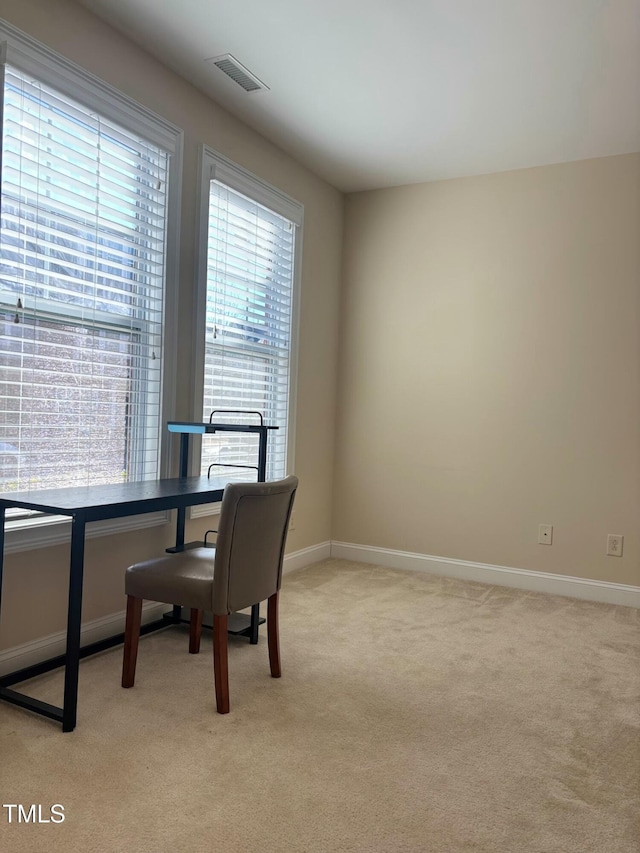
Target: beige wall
x=35, y=582
x=490, y=369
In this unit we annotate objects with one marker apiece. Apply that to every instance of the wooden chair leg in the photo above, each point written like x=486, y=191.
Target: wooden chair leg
x=221, y=663
x=131, y=637
x=195, y=631
x=273, y=636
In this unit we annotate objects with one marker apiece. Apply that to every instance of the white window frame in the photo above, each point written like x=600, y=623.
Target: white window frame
x=19, y=49
x=216, y=166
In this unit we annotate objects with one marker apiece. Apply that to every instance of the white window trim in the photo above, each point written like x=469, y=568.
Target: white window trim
x=26, y=534
x=25, y=52
x=215, y=165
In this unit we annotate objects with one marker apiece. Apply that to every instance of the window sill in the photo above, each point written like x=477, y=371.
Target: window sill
x=29, y=533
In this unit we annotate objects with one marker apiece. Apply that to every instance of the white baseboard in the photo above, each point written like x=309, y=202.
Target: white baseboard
x=609, y=593
x=306, y=556
x=28, y=654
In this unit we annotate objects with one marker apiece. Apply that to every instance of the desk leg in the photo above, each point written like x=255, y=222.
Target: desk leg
x=180, y=526
x=255, y=624
x=182, y=513
x=74, y=621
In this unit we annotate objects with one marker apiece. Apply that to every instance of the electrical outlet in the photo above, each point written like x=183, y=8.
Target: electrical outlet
x=614, y=545
x=545, y=534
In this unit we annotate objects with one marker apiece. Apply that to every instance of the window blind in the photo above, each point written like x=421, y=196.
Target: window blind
x=249, y=302
x=82, y=257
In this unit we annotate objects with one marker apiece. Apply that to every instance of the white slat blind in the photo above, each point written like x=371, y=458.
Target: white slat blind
x=82, y=256
x=249, y=309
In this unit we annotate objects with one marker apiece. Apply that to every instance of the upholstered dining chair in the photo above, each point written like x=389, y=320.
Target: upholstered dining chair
x=244, y=569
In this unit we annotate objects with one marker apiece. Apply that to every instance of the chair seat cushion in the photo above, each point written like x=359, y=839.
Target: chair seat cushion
x=185, y=578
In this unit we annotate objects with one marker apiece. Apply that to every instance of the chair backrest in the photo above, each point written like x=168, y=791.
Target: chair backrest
x=252, y=531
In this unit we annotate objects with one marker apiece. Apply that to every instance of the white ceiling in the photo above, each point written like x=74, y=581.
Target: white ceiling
x=372, y=93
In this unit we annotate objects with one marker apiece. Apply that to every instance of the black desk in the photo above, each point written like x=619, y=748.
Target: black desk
x=82, y=505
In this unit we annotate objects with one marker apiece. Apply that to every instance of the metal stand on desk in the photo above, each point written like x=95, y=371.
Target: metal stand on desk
x=239, y=623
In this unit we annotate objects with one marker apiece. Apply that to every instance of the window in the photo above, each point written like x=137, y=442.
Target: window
x=88, y=186
x=250, y=243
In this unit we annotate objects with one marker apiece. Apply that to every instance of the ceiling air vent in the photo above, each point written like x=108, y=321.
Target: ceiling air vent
x=238, y=73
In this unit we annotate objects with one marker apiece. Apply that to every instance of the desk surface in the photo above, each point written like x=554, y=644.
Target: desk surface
x=119, y=499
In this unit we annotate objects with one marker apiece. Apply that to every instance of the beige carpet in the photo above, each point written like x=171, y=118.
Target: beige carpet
x=414, y=714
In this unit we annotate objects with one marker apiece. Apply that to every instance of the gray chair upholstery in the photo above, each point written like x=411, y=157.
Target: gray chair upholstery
x=244, y=569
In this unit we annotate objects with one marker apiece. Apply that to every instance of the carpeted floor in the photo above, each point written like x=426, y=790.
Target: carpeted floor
x=415, y=713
